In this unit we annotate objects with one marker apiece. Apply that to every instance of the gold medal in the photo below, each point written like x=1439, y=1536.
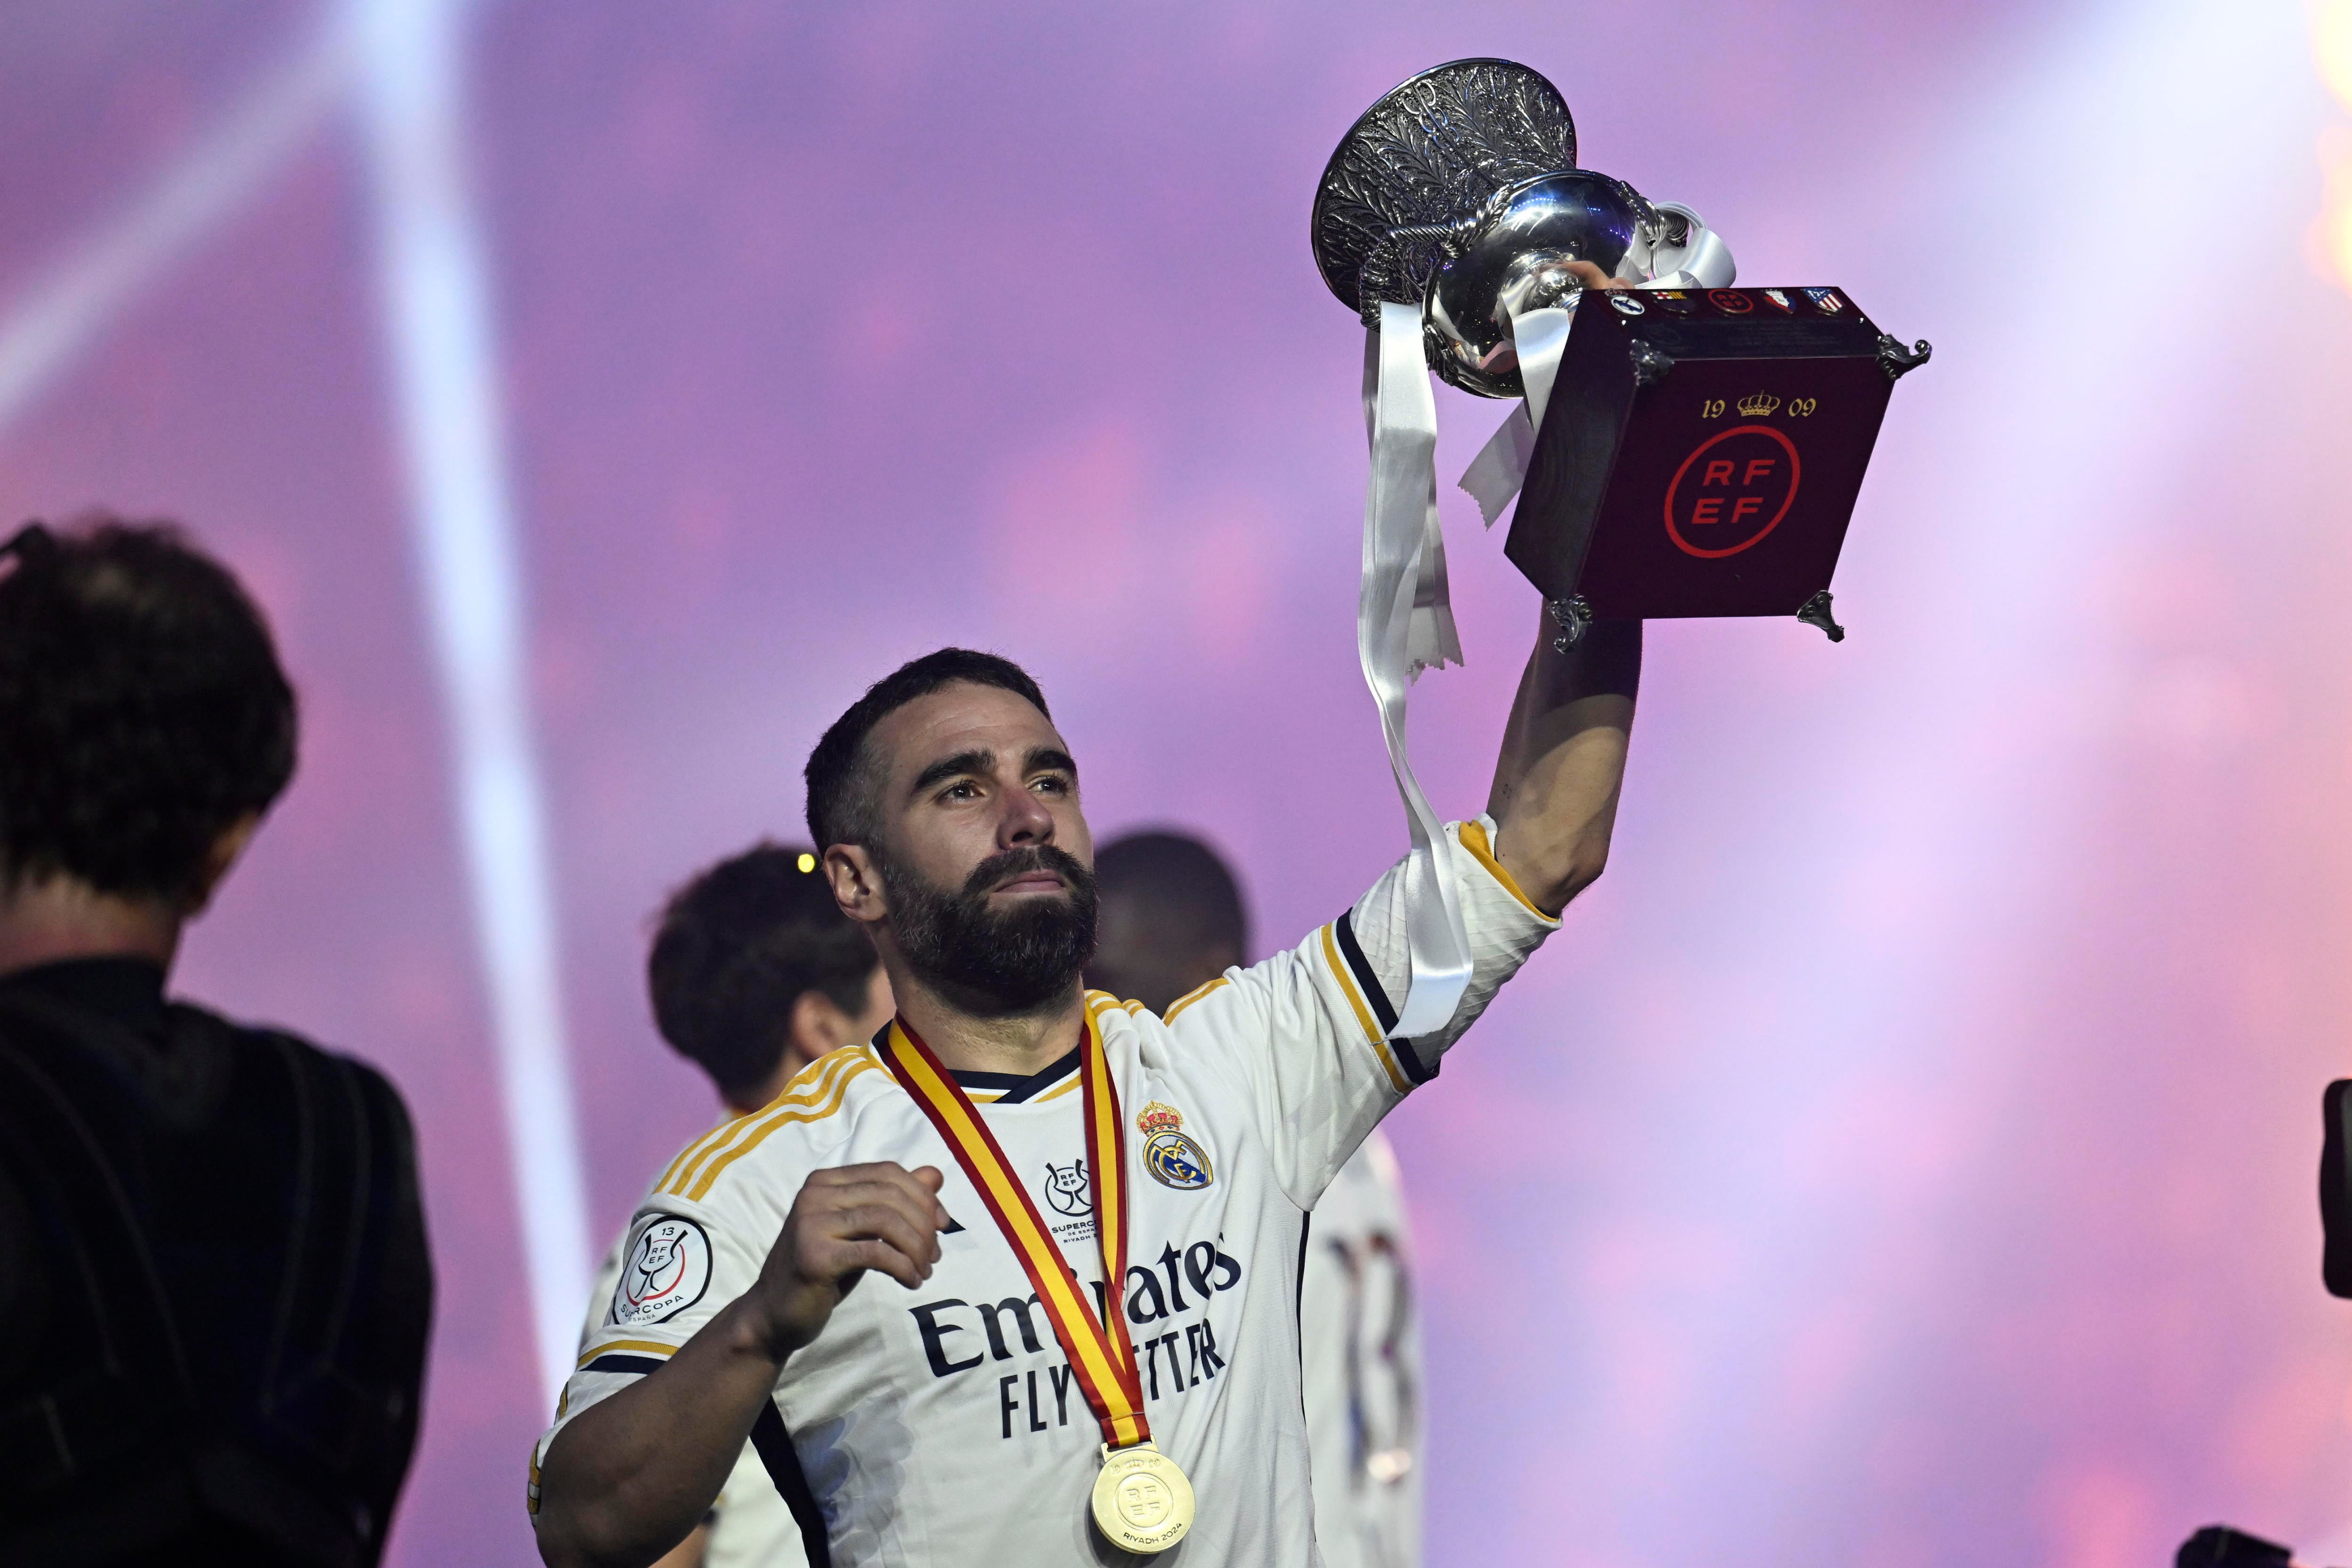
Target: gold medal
x=1143, y=1503
x=1143, y=1499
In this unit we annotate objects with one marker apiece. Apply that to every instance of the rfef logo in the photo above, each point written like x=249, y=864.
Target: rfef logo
x=1731, y=492
x=667, y=1270
x=1069, y=1189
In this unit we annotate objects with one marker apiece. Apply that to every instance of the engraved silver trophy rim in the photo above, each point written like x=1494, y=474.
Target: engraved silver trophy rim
x=1423, y=162
x=1458, y=191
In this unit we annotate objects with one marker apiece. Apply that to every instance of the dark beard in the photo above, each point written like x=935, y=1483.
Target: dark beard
x=996, y=964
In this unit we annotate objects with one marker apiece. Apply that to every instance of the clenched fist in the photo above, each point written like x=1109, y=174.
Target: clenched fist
x=844, y=1222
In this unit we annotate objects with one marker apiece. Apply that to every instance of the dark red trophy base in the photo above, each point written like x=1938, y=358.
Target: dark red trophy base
x=1702, y=456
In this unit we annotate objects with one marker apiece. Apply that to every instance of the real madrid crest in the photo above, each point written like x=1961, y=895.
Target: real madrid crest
x=1173, y=1159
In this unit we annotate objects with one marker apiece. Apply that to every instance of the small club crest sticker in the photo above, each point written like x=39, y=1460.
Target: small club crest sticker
x=1173, y=1159
x=667, y=1270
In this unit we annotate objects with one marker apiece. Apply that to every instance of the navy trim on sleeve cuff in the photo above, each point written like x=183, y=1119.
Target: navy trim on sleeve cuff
x=640, y=1364
x=1408, y=1060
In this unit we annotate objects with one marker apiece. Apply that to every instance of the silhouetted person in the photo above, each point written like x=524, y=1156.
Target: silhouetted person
x=213, y=1267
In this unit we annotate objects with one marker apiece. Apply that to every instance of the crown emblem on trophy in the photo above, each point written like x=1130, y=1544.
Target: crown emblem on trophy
x=1156, y=1118
x=1757, y=404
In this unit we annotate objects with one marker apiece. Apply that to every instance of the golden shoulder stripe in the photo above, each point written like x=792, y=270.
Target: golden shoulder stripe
x=836, y=1067
x=817, y=1075
x=818, y=1112
x=1191, y=996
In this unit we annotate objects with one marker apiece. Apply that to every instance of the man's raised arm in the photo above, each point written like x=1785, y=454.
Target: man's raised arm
x=1555, y=796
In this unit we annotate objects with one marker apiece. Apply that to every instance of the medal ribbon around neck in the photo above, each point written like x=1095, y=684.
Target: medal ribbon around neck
x=1103, y=1359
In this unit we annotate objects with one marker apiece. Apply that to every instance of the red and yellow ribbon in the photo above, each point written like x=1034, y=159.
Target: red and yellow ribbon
x=1103, y=1359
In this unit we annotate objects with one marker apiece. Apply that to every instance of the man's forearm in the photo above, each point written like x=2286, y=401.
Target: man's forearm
x=1563, y=757
x=629, y=1477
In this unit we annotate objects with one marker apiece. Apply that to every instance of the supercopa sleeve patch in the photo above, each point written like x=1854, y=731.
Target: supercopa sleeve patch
x=667, y=1270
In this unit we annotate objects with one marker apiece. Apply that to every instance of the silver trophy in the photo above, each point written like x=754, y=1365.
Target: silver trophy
x=1452, y=210
x=1459, y=192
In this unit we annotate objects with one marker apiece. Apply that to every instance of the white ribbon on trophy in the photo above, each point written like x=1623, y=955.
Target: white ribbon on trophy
x=1404, y=617
x=1701, y=261
x=1404, y=622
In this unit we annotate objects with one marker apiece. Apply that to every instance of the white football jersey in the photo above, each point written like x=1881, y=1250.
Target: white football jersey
x=752, y=1526
x=942, y=1426
x=1361, y=1362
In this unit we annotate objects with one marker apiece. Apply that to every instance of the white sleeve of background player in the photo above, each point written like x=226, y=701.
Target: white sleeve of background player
x=600, y=1294
x=1311, y=1029
x=1360, y=1366
x=681, y=1261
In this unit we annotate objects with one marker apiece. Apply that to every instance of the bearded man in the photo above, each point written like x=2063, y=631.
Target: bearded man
x=1044, y=1388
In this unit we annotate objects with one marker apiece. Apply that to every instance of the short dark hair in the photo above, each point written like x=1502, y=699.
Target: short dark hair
x=142, y=709
x=1195, y=902
x=843, y=780
x=736, y=946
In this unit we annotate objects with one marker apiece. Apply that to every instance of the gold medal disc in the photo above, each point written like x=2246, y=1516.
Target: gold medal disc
x=1143, y=1503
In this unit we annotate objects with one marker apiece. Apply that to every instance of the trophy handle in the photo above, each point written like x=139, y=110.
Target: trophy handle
x=1898, y=360
x=1650, y=363
x=1685, y=253
x=1573, y=616
x=1816, y=613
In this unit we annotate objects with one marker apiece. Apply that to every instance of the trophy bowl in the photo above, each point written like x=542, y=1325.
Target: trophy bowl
x=1459, y=192
x=1513, y=258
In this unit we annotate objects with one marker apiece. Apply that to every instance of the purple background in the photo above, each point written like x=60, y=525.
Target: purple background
x=1904, y=1157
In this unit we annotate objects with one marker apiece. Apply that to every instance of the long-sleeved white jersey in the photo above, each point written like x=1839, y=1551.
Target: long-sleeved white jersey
x=942, y=1425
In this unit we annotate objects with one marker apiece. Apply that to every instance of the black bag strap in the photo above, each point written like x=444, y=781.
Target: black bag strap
x=88, y=1414
x=308, y=1391
x=2336, y=1187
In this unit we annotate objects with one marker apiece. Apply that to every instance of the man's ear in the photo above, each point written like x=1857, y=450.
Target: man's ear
x=856, y=882
x=220, y=857
x=818, y=1025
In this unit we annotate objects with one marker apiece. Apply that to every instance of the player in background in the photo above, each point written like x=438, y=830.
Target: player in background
x=1173, y=922
x=755, y=973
